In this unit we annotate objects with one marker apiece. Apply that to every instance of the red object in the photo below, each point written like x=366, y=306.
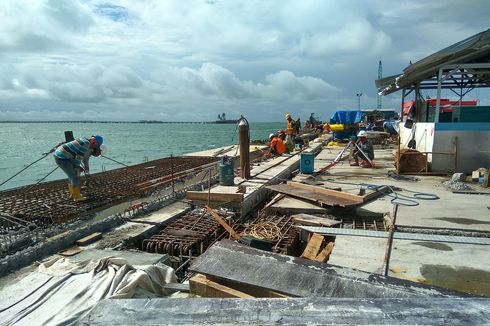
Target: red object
x=446, y=104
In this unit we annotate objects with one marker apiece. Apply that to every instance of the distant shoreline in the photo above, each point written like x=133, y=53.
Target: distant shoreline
x=90, y=121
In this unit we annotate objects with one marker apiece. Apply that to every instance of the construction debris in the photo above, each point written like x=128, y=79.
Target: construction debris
x=237, y=264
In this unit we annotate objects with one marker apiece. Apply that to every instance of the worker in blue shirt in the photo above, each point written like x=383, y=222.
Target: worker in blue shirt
x=73, y=157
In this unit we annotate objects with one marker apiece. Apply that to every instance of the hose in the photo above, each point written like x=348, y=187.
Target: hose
x=397, y=198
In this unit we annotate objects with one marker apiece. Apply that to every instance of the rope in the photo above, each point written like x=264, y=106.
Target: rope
x=268, y=231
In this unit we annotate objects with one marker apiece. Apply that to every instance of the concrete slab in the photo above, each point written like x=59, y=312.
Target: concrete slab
x=291, y=311
x=452, y=211
x=141, y=226
x=232, y=151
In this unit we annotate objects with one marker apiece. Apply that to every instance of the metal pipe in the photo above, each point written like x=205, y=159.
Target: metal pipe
x=172, y=169
x=243, y=131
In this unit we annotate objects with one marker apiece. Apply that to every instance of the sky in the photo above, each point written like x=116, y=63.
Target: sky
x=169, y=60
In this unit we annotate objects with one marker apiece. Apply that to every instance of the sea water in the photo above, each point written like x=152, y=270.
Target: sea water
x=128, y=143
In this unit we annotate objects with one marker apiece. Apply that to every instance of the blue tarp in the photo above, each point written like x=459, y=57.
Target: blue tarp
x=346, y=117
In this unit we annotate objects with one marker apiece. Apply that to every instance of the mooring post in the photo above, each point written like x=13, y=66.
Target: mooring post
x=243, y=132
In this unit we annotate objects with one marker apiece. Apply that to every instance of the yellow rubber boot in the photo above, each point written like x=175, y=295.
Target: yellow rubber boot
x=70, y=190
x=77, y=196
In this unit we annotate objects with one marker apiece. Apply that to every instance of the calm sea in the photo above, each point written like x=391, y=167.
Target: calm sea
x=129, y=143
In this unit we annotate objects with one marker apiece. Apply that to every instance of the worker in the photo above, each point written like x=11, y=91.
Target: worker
x=281, y=134
x=73, y=157
x=366, y=152
x=290, y=132
x=277, y=146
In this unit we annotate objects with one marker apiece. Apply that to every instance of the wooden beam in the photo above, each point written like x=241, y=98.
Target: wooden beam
x=256, y=292
x=223, y=223
x=313, y=247
x=376, y=193
x=215, y=196
x=325, y=253
x=206, y=288
x=89, y=239
x=315, y=197
x=307, y=219
x=326, y=191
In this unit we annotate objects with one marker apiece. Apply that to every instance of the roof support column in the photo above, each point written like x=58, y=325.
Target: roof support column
x=438, y=99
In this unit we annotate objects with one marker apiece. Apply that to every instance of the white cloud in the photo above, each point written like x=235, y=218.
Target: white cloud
x=124, y=59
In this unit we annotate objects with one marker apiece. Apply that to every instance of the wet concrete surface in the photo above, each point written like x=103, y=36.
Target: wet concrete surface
x=462, y=220
x=434, y=245
x=460, y=278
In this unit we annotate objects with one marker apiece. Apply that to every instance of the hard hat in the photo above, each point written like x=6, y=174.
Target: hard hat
x=287, y=116
x=271, y=136
x=362, y=133
x=99, y=140
x=280, y=132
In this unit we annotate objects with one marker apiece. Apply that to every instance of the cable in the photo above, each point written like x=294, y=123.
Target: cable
x=32, y=186
x=28, y=166
x=113, y=160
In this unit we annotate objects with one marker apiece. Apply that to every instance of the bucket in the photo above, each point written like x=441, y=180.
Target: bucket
x=307, y=163
x=226, y=173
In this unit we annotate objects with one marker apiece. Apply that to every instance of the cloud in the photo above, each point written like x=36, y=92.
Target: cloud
x=124, y=59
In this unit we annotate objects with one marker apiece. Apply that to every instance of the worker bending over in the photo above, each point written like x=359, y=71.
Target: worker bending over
x=366, y=152
x=73, y=157
x=277, y=146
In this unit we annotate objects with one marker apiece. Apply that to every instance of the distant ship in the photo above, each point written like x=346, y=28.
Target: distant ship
x=222, y=119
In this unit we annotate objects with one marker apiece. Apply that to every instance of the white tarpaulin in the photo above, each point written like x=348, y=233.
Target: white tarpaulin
x=61, y=291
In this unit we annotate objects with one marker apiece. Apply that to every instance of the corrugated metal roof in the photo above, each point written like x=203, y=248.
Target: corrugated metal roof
x=475, y=49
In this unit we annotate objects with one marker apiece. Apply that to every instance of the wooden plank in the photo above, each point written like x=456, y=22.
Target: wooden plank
x=223, y=223
x=204, y=287
x=215, y=196
x=328, y=192
x=325, y=253
x=313, y=247
x=256, y=292
x=70, y=251
x=307, y=219
x=89, y=239
x=316, y=198
x=376, y=193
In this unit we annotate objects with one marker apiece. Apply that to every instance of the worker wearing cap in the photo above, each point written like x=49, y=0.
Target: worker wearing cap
x=365, y=152
x=277, y=146
x=290, y=132
x=73, y=157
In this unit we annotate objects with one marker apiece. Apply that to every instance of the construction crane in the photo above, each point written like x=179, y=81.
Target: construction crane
x=380, y=75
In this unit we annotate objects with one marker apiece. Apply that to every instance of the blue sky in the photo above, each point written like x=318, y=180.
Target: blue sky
x=190, y=60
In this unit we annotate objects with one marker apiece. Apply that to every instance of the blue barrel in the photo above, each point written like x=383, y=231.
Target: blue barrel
x=226, y=173
x=307, y=163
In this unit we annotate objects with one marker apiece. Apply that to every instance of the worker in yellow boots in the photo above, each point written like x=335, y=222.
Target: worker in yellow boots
x=73, y=157
x=290, y=132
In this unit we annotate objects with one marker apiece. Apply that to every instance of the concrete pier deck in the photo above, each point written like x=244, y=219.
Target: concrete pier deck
x=462, y=267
